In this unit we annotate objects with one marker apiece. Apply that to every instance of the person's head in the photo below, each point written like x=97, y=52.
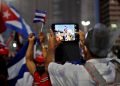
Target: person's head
x=59, y=54
x=40, y=64
x=98, y=41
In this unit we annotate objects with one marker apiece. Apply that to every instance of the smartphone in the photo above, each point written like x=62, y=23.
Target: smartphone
x=66, y=31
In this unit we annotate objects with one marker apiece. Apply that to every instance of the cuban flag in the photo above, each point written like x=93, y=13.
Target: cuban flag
x=40, y=16
x=14, y=21
x=17, y=70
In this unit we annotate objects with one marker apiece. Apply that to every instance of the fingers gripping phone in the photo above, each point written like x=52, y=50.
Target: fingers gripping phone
x=66, y=31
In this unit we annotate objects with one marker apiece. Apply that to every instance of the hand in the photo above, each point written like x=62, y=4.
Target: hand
x=52, y=40
x=81, y=37
x=57, y=43
x=31, y=38
x=86, y=53
x=41, y=37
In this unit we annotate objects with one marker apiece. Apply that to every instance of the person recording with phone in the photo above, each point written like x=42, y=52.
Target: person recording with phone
x=68, y=50
x=96, y=46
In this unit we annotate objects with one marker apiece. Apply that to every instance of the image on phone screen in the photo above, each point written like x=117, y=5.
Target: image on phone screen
x=65, y=32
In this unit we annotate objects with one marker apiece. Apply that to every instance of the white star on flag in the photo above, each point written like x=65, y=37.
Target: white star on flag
x=6, y=14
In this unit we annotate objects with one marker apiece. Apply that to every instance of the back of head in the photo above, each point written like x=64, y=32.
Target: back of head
x=98, y=40
x=59, y=54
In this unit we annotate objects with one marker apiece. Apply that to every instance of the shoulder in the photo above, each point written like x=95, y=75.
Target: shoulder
x=54, y=64
x=67, y=66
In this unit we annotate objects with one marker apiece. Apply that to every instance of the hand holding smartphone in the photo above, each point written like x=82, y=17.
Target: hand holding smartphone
x=66, y=31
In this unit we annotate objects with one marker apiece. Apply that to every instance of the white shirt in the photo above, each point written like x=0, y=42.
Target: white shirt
x=112, y=56
x=76, y=75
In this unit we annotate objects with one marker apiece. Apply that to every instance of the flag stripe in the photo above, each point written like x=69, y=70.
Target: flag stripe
x=14, y=70
x=22, y=70
x=14, y=11
x=14, y=23
x=40, y=14
x=39, y=17
x=38, y=20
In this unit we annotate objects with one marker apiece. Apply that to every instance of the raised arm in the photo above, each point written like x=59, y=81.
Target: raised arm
x=51, y=49
x=83, y=46
x=29, y=54
x=82, y=38
x=42, y=44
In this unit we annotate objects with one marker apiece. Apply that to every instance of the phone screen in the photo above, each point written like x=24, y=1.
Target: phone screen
x=65, y=32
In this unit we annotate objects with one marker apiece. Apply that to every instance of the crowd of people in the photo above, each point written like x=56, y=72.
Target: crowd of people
x=98, y=70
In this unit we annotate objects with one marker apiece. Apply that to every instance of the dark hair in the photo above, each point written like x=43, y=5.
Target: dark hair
x=59, y=55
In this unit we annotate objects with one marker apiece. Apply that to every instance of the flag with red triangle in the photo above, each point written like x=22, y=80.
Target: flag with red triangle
x=14, y=21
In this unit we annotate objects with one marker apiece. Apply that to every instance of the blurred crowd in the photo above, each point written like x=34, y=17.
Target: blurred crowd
x=100, y=49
